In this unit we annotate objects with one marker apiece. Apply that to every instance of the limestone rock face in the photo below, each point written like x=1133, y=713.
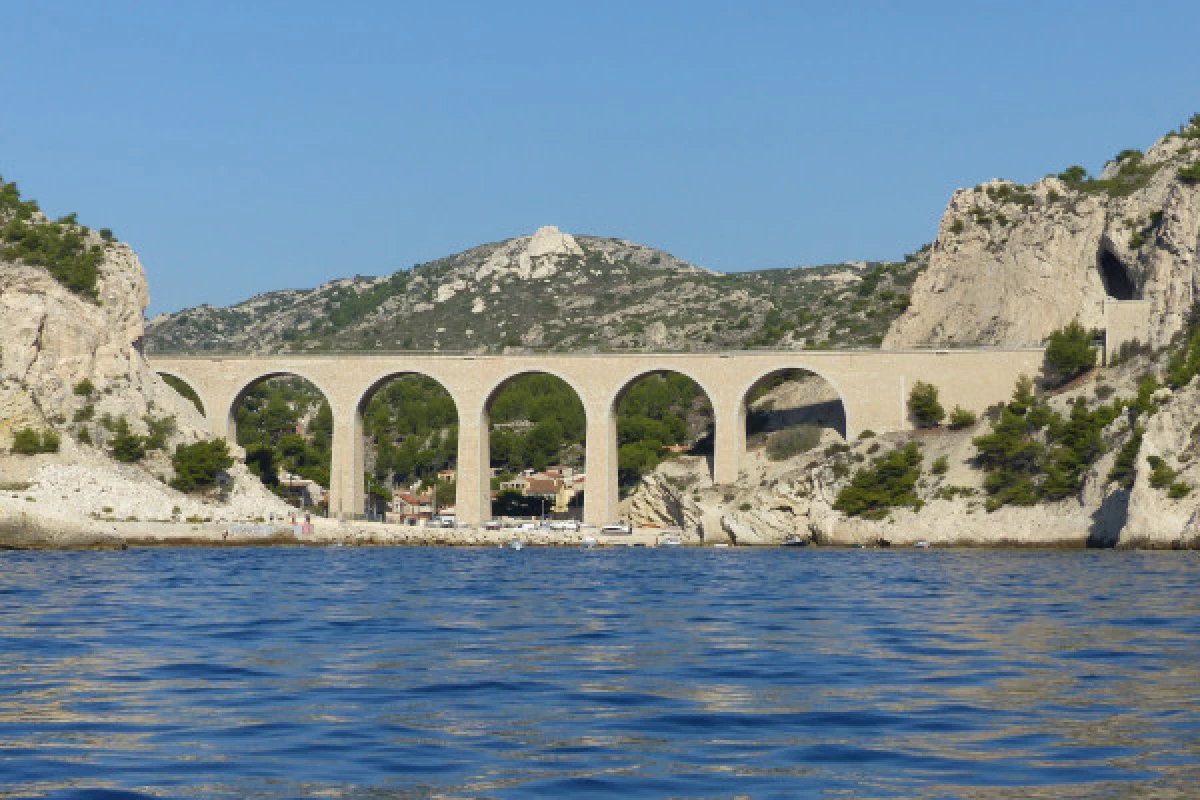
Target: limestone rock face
x=664, y=497
x=53, y=341
x=531, y=257
x=1012, y=263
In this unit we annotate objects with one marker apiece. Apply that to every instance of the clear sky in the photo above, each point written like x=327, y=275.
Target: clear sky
x=247, y=146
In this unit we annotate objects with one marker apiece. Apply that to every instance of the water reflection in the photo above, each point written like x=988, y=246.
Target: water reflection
x=467, y=673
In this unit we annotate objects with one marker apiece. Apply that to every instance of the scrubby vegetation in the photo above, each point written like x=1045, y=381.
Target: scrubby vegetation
x=1034, y=453
x=126, y=446
x=1133, y=173
x=60, y=247
x=791, y=442
x=198, y=466
x=890, y=482
x=961, y=418
x=28, y=441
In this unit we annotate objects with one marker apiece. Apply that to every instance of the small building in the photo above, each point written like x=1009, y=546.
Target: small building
x=542, y=486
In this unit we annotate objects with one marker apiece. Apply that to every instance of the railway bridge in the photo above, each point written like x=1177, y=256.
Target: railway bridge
x=873, y=386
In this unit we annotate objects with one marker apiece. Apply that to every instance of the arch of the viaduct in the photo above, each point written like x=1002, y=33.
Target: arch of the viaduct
x=873, y=386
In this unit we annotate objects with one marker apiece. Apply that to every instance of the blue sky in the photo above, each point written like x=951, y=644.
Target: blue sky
x=249, y=146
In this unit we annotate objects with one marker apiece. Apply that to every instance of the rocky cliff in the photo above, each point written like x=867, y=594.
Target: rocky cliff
x=1011, y=263
x=555, y=290
x=71, y=366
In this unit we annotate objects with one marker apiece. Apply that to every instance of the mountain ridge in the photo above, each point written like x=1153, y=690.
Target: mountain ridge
x=552, y=290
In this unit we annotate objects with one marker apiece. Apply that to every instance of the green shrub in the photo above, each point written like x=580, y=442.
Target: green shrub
x=1124, y=468
x=85, y=388
x=1178, y=489
x=198, y=466
x=888, y=483
x=785, y=444
x=61, y=247
x=745, y=507
x=1069, y=353
x=867, y=433
x=125, y=445
x=961, y=418
x=83, y=436
x=85, y=414
x=923, y=404
x=28, y=442
x=940, y=466
x=1162, y=474
x=1190, y=174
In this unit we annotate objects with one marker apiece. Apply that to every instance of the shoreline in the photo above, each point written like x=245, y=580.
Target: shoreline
x=32, y=533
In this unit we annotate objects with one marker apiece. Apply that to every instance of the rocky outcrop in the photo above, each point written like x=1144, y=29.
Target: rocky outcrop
x=1012, y=263
x=73, y=365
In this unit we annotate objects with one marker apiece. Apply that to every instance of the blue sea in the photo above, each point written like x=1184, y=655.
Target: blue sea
x=631, y=673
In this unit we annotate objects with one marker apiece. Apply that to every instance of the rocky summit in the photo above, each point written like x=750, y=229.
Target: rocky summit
x=558, y=291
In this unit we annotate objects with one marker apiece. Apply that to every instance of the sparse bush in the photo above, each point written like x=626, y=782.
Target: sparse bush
x=85, y=388
x=923, y=404
x=28, y=442
x=791, y=442
x=1190, y=175
x=125, y=445
x=1162, y=474
x=867, y=433
x=961, y=418
x=940, y=466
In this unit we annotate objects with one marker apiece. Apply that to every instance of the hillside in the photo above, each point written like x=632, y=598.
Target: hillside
x=555, y=291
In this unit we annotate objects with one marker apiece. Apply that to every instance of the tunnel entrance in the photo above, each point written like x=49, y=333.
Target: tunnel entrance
x=1117, y=283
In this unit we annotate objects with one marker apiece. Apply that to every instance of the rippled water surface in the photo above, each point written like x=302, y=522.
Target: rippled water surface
x=346, y=672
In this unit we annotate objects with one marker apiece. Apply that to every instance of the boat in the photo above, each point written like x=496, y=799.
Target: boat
x=617, y=529
x=515, y=544
x=589, y=542
x=922, y=544
x=795, y=541
x=670, y=540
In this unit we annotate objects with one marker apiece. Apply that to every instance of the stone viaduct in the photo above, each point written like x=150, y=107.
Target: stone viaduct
x=873, y=386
